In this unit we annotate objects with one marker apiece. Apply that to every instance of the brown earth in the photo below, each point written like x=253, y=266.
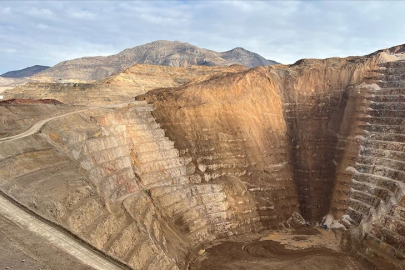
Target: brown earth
x=268, y=254
x=208, y=154
x=30, y=101
x=122, y=87
x=23, y=250
x=271, y=255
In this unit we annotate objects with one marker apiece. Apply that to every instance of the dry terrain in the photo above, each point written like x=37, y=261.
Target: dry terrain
x=162, y=52
x=163, y=167
x=290, y=249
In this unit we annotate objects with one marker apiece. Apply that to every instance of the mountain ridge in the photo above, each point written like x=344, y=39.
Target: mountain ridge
x=25, y=72
x=161, y=52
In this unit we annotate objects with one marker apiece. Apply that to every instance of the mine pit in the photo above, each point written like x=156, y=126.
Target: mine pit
x=282, y=167
x=305, y=248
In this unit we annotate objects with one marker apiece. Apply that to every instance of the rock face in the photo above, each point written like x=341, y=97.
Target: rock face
x=285, y=120
x=83, y=171
x=218, y=152
x=327, y=116
x=26, y=72
x=161, y=52
x=234, y=131
x=376, y=199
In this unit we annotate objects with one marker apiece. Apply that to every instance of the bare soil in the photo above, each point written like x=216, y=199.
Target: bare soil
x=287, y=250
x=23, y=250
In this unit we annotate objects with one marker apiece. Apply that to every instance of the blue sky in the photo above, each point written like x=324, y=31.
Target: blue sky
x=47, y=32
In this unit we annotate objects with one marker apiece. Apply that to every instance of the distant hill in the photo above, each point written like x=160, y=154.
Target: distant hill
x=26, y=72
x=166, y=53
x=246, y=58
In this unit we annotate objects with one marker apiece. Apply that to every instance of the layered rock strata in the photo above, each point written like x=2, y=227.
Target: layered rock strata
x=218, y=153
x=81, y=172
x=376, y=195
x=274, y=130
x=112, y=177
x=339, y=135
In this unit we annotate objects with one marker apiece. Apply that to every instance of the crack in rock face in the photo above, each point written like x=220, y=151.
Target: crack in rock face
x=284, y=167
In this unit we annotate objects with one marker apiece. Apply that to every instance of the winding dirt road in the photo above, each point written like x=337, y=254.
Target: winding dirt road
x=36, y=127
x=28, y=221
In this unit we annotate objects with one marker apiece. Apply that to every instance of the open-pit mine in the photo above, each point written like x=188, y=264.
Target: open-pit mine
x=208, y=167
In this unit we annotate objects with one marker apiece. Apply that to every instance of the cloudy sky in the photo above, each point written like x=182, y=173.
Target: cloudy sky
x=47, y=32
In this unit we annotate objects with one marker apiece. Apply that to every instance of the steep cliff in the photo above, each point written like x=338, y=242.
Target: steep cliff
x=281, y=124
x=210, y=153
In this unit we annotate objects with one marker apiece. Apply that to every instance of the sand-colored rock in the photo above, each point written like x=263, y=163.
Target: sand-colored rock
x=208, y=153
x=122, y=87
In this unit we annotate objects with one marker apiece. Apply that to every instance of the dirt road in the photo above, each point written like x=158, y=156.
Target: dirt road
x=60, y=240
x=13, y=213
x=36, y=127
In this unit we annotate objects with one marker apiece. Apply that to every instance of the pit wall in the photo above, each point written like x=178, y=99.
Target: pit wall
x=77, y=175
x=233, y=131
x=318, y=107
x=112, y=177
x=131, y=164
x=377, y=178
x=232, y=155
x=278, y=134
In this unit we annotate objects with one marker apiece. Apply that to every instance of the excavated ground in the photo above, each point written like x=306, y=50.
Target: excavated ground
x=302, y=249
x=212, y=161
x=21, y=249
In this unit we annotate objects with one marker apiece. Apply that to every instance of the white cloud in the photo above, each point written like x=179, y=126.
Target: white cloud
x=8, y=50
x=40, y=12
x=83, y=14
x=47, y=32
x=42, y=26
x=5, y=10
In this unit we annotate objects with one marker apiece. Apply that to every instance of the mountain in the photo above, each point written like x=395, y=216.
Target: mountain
x=246, y=58
x=26, y=72
x=166, y=53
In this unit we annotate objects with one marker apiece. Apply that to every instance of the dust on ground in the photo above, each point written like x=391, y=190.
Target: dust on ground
x=292, y=249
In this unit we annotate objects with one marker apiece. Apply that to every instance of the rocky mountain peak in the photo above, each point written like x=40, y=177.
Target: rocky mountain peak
x=160, y=52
